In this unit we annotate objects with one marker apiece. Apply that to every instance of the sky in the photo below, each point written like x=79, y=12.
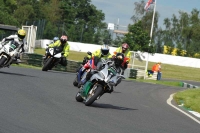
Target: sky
x=120, y=11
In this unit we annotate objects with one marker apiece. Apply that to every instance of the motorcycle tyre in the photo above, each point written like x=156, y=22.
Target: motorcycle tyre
x=97, y=92
x=47, y=64
x=75, y=82
x=2, y=60
x=79, y=98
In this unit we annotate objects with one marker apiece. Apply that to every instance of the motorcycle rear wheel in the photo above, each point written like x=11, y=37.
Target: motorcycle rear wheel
x=47, y=64
x=93, y=96
x=79, y=98
x=2, y=60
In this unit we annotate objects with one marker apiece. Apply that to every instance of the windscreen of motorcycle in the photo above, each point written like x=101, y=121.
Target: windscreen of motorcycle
x=112, y=71
x=51, y=51
x=58, y=49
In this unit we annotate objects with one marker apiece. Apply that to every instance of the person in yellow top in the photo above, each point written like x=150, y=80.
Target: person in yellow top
x=63, y=46
x=125, y=50
x=18, y=40
x=98, y=54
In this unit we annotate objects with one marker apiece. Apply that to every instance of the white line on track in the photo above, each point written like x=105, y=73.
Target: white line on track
x=169, y=102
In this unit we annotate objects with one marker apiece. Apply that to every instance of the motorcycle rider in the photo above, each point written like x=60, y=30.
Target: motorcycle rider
x=125, y=50
x=63, y=46
x=55, y=39
x=117, y=62
x=98, y=54
x=18, y=42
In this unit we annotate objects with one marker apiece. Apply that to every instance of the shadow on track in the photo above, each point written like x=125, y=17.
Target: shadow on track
x=17, y=74
x=116, y=91
x=109, y=106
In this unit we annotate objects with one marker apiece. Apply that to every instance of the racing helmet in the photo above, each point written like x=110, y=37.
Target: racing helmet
x=63, y=39
x=21, y=34
x=125, y=46
x=104, y=49
x=119, y=58
x=55, y=39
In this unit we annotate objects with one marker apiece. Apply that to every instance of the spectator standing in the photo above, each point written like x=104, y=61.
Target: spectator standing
x=159, y=71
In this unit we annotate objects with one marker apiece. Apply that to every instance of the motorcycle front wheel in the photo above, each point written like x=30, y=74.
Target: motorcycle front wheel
x=78, y=97
x=93, y=94
x=2, y=60
x=47, y=64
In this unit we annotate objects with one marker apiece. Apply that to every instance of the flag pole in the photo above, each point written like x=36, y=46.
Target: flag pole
x=151, y=33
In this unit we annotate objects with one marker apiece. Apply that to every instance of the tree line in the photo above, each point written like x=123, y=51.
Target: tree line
x=83, y=22
x=180, y=32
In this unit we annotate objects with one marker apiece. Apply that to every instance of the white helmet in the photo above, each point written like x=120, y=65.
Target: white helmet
x=104, y=49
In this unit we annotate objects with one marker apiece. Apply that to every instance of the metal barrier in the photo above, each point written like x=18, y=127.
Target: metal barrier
x=36, y=60
x=137, y=66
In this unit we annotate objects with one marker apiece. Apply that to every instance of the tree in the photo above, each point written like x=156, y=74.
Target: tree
x=84, y=16
x=138, y=38
x=146, y=21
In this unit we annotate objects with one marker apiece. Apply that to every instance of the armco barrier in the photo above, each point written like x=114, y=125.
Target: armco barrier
x=130, y=73
x=186, y=85
x=36, y=60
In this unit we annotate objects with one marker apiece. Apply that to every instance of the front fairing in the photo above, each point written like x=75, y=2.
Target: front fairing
x=54, y=53
x=58, y=55
x=104, y=75
x=9, y=49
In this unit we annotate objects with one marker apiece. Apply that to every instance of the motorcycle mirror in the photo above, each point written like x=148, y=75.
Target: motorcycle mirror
x=89, y=53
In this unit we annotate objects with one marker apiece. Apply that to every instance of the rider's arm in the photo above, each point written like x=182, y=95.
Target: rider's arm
x=22, y=47
x=11, y=37
x=128, y=55
x=66, y=50
x=95, y=53
x=54, y=44
x=118, y=50
x=109, y=56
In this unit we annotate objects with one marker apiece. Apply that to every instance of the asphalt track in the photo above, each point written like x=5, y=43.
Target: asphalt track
x=33, y=101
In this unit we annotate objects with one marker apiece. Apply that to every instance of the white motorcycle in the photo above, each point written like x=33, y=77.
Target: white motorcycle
x=7, y=53
x=99, y=83
x=53, y=57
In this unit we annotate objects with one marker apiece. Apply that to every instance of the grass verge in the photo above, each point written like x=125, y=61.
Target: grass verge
x=161, y=82
x=189, y=98
x=73, y=55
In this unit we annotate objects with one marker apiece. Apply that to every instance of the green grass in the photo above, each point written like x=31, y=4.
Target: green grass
x=161, y=82
x=180, y=72
x=73, y=55
x=190, y=98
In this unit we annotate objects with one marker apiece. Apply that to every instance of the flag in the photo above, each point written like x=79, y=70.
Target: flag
x=148, y=4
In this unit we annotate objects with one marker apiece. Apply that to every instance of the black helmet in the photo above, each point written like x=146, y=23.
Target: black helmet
x=63, y=39
x=119, y=58
x=104, y=50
